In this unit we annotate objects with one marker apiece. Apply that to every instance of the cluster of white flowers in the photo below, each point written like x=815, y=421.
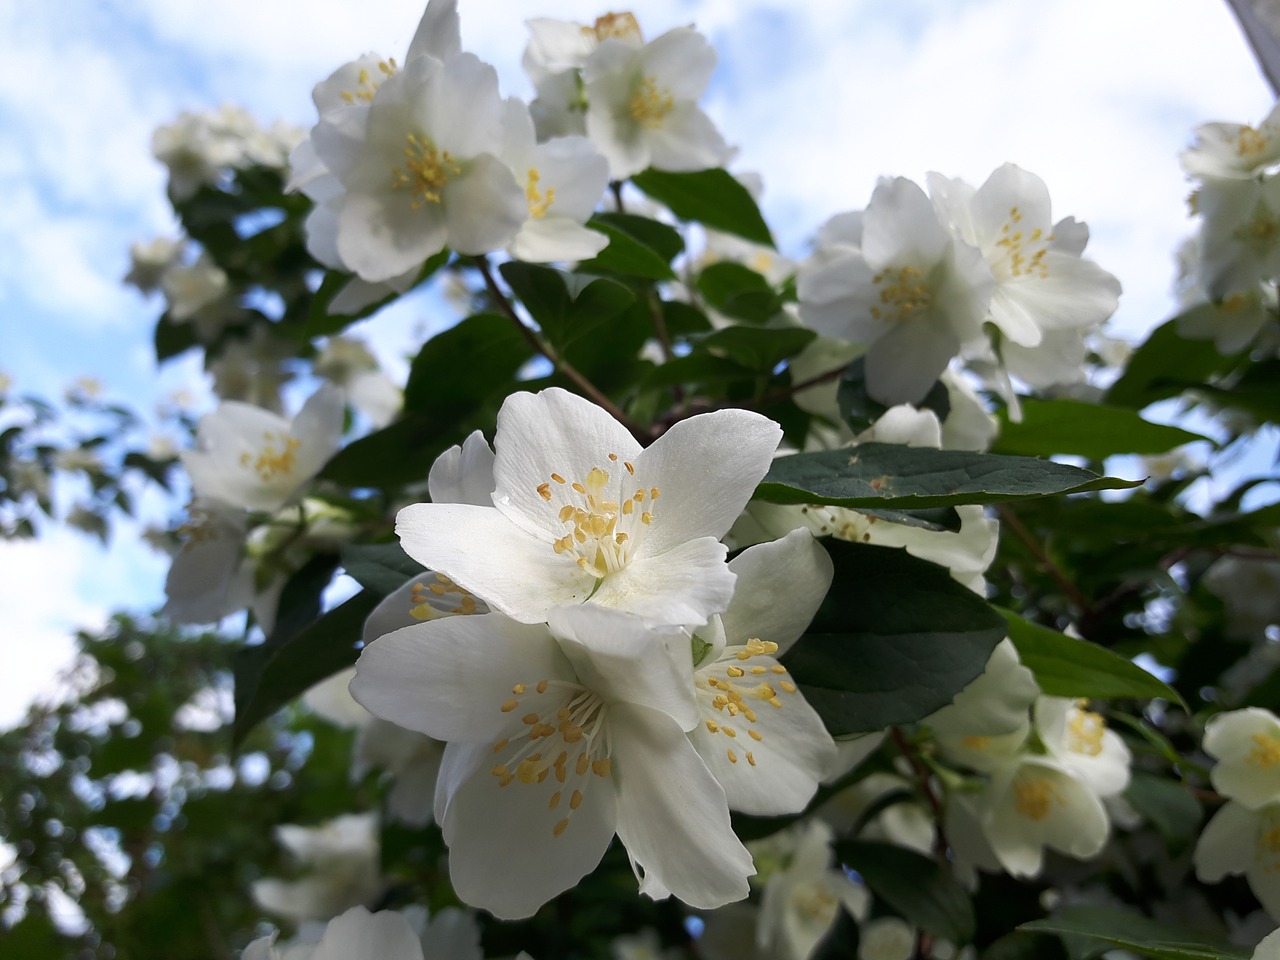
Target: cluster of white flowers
x=1231, y=267
x=198, y=148
x=606, y=671
x=247, y=461
x=1050, y=766
x=1244, y=835
x=194, y=287
x=916, y=279
x=408, y=159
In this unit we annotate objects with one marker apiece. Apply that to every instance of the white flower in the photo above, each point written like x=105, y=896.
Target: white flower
x=1268, y=948
x=417, y=169
x=642, y=109
x=1250, y=588
x=249, y=457
x=342, y=855
x=803, y=900
x=1234, y=150
x=1240, y=840
x=905, y=823
x=1042, y=283
x=582, y=512
x=557, y=739
x=1239, y=234
x=996, y=702
x=1079, y=740
x=758, y=735
x=886, y=938
x=208, y=579
x=1033, y=802
x=191, y=290
x=252, y=369
x=563, y=180
x=1246, y=744
x=148, y=262
x=912, y=291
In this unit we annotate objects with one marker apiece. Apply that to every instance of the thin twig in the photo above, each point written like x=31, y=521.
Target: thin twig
x=561, y=365
x=940, y=845
x=786, y=394
x=1010, y=519
x=616, y=187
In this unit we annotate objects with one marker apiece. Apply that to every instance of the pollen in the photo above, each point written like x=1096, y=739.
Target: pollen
x=650, y=104
x=1034, y=797
x=1085, y=730
x=425, y=172
x=275, y=458
x=1265, y=752
x=539, y=202
x=1250, y=143
x=904, y=294
x=599, y=518
x=560, y=827
x=1024, y=253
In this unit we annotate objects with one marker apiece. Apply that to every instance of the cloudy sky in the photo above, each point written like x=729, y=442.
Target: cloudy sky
x=823, y=97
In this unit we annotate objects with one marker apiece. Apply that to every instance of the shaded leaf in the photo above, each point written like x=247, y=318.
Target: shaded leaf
x=917, y=887
x=710, y=197
x=381, y=568
x=739, y=292
x=1065, y=426
x=1132, y=931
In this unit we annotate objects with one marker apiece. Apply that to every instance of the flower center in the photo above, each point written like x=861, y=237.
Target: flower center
x=1024, y=253
x=276, y=457
x=650, y=103
x=1261, y=232
x=1265, y=752
x=732, y=684
x=1033, y=797
x=539, y=203
x=815, y=902
x=904, y=294
x=1250, y=143
x=1084, y=732
x=618, y=26
x=425, y=172
x=602, y=524
x=564, y=735
x=366, y=85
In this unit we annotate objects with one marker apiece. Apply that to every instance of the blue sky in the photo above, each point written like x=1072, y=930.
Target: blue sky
x=1095, y=96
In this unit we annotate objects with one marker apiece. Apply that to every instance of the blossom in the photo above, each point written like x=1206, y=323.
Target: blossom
x=1246, y=744
x=249, y=457
x=386, y=935
x=581, y=512
x=208, y=579
x=641, y=104
x=418, y=171
x=1041, y=281
x=995, y=702
x=1239, y=234
x=758, y=735
x=912, y=291
x=1240, y=840
x=1034, y=802
x=558, y=736
x=563, y=180
x=1079, y=740
x=1234, y=150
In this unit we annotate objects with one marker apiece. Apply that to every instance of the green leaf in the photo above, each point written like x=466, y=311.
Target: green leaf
x=638, y=247
x=173, y=337
x=739, y=292
x=1067, y=667
x=1165, y=365
x=462, y=366
x=884, y=474
x=710, y=197
x=1085, y=430
x=894, y=641
x=1132, y=931
x=381, y=568
x=915, y=886
x=269, y=676
x=1257, y=391
x=758, y=348
x=1170, y=807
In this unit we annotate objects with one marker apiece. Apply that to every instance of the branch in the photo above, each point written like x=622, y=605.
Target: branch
x=1008, y=517
x=561, y=365
x=940, y=845
x=786, y=394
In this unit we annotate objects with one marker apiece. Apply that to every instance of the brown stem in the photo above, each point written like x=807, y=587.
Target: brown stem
x=1010, y=519
x=779, y=395
x=562, y=366
x=615, y=187
x=940, y=844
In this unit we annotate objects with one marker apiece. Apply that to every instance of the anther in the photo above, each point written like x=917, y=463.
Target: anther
x=510, y=705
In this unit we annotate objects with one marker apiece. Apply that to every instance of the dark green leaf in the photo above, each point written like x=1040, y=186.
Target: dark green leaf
x=1170, y=807
x=1257, y=391
x=1085, y=429
x=638, y=247
x=884, y=474
x=739, y=292
x=758, y=348
x=1165, y=365
x=300, y=599
x=380, y=567
x=894, y=641
x=915, y=886
x=457, y=369
x=1132, y=931
x=269, y=677
x=710, y=197
x=172, y=337
x=1067, y=667
x=542, y=290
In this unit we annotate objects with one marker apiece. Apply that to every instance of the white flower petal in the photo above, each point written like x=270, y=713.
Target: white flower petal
x=682, y=587
x=484, y=207
x=672, y=813
x=1227, y=843
x=463, y=474
x=780, y=586
x=358, y=933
